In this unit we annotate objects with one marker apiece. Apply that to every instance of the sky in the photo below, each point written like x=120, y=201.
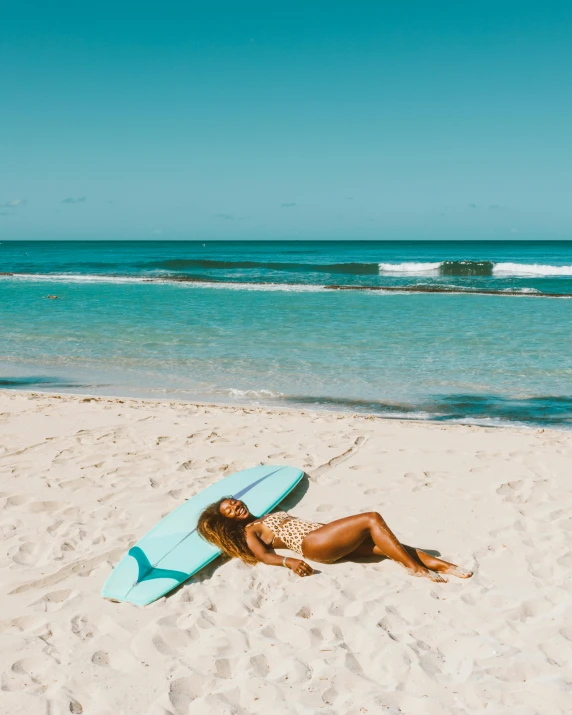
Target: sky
x=227, y=120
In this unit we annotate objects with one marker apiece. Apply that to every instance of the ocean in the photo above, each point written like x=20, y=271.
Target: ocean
x=457, y=331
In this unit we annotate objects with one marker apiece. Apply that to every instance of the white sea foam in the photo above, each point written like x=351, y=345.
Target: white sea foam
x=76, y=278
x=499, y=269
x=493, y=422
x=410, y=267
x=285, y=287
x=97, y=278
x=234, y=392
x=531, y=269
x=517, y=291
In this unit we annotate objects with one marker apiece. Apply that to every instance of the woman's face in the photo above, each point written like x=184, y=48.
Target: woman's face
x=234, y=509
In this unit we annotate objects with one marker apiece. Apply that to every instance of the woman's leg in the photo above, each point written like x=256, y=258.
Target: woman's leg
x=368, y=549
x=435, y=564
x=343, y=536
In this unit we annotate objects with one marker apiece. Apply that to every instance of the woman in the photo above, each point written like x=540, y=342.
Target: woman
x=229, y=525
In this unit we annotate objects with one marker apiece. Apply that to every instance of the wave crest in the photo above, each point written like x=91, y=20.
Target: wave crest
x=531, y=269
x=182, y=264
x=442, y=268
x=476, y=268
x=410, y=267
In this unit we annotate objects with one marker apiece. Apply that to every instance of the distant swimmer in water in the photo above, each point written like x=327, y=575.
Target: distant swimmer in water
x=52, y=297
x=229, y=525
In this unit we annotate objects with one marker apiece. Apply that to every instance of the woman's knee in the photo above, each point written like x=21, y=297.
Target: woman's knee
x=374, y=518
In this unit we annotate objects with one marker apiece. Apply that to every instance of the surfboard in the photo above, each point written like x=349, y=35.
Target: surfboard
x=173, y=550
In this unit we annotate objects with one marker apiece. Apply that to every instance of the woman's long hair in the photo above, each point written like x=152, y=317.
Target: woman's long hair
x=228, y=534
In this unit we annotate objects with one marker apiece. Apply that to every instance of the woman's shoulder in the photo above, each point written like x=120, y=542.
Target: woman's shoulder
x=269, y=518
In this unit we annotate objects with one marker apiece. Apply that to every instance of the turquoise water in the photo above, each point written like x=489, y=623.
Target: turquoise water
x=444, y=331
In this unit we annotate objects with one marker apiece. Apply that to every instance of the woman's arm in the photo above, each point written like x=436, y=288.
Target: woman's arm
x=266, y=556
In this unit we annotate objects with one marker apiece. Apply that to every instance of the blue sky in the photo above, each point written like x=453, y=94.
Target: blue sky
x=286, y=120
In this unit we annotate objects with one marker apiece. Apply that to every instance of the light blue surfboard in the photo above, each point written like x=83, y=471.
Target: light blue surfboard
x=173, y=551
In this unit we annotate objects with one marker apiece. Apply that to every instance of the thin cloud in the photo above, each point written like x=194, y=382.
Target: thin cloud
x=226, y=217
x=13, y=204
x=288, y=206
x=7, y=213
x=74, y=200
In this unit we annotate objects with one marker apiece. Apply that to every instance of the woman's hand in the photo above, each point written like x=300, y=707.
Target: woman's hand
x=299, y=567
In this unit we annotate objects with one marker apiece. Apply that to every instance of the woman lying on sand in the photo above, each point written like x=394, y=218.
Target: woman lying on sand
x=229, y=525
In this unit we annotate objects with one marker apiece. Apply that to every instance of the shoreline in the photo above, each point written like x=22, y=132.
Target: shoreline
x=82, y=478
x=250, y=406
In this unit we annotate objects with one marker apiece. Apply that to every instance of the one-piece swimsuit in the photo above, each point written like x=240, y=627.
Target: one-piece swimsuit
x=289, y=529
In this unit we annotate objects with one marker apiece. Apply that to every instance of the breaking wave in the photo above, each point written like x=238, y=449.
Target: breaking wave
x=207, y=270
x=476, y=268
x=409, y=267
x=531, y=269
x=443, y=268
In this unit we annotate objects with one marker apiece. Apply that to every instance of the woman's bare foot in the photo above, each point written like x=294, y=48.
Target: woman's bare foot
x=458, y=572
x=427, y=573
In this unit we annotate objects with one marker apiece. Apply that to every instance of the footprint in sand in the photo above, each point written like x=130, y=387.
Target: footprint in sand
x=558, y=652
x=260, y=665
x=81, y=627
x=220, y=468
x=184, y=690
x=25, y=624
x=223, y=668
x=7, y=530
x=44, y=507
x=27, y=674
x=64, y=456
x=75, y=707
x=53, y=601
x=27, y=554
x=100, y=658
x=75, y=484
x=16, y=500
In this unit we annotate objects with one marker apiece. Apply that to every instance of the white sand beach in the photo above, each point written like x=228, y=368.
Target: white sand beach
x=82, y=479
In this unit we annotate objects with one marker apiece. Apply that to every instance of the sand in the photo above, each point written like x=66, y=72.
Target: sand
x=82, y=479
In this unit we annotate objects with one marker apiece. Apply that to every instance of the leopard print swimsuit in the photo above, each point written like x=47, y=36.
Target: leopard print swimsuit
x=289, y=529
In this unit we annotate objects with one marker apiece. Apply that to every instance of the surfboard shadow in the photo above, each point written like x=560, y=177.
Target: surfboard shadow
x=296, y=495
